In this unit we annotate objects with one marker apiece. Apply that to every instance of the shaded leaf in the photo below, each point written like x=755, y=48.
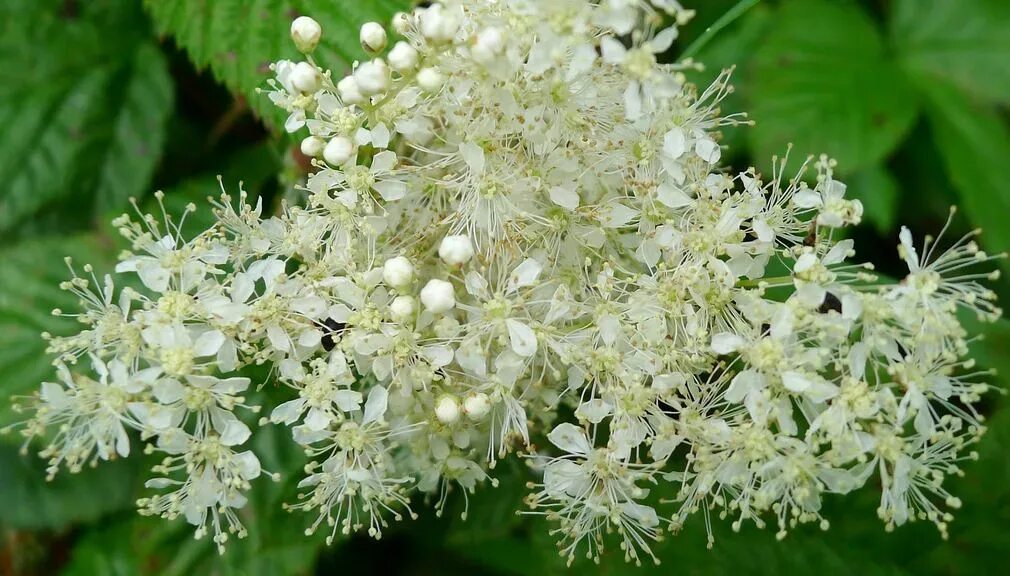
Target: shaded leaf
x=823, y=81
x=84, y=117
x=30, y=502
x=962, y=42
x=975, y=145
x=732, y=48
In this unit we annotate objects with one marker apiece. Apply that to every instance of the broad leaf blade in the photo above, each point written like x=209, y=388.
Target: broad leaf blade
x=975, y=145
x=962, y=42
x=84, y=98
x=823, y=81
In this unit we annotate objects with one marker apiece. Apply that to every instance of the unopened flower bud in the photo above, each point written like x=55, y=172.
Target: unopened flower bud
x=305, y=33
x=490, y=43
x=447, y=410
x=313, y=146
x=401, y=22
x=349, y=91
x=439, y=24
x=372, y=77
x=438, y=296
x=305, y=78
x=401, y=308
x=373, y=37
x=429, y=79
x=338, y=151
x=455, y=250
x=477, y=406
x=398, y=272
x=403, y=57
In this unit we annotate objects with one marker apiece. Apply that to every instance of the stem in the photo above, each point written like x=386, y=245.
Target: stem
x=770, y=282
x=725, y=20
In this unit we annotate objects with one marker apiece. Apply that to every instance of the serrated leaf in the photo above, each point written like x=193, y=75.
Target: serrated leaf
x=84, y=101
x=975, y=144
x=239, y=39
x=30, y=274
x=30, y=502
x=962, y=42
x=822, y=80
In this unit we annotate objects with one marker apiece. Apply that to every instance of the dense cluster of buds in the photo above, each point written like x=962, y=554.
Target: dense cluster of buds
x=517, y=227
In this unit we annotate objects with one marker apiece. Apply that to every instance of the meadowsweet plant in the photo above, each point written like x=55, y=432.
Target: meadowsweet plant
x=517, y=239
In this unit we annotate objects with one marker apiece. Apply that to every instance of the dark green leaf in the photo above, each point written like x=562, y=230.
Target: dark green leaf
x=29, y=501
x=823, y=81
x=83, y=101
x=732, y=48
x=963, y=42
x=975, y=145
x=238, y=39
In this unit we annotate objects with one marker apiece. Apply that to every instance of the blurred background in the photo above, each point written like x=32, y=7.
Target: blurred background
x=102, y=101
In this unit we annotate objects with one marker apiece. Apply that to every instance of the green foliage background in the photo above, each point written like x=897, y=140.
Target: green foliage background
x=106, y=100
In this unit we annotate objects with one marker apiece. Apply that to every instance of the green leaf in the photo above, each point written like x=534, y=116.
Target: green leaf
x=103, y=551
x=733, y=47
x=84, y=100
x=238, y=39
x=877, y=189
x=30, y=274
x=30, y=502
x=963, y=42
x=975, y=144
x=823, y=81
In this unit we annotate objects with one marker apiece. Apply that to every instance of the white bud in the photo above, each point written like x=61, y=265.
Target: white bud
x=429, y=79
x=438, y=24
x=398, y=272
x=401, y=22
x=372, y=77
x=338, y=151
x=402, y=57
x=490, y=43
x=373, y=37
x=438, y=296
x=447, y=410
x=313, y=146
x=305, y=33
x=455, y=250
x=401, y=308
x=305, y=78
x=477, y=406
x=349, y=91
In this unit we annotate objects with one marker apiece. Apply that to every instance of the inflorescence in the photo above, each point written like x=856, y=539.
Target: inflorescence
x=517, y=227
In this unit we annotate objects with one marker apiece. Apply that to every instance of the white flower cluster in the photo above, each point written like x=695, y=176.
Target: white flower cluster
x=518, y=227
